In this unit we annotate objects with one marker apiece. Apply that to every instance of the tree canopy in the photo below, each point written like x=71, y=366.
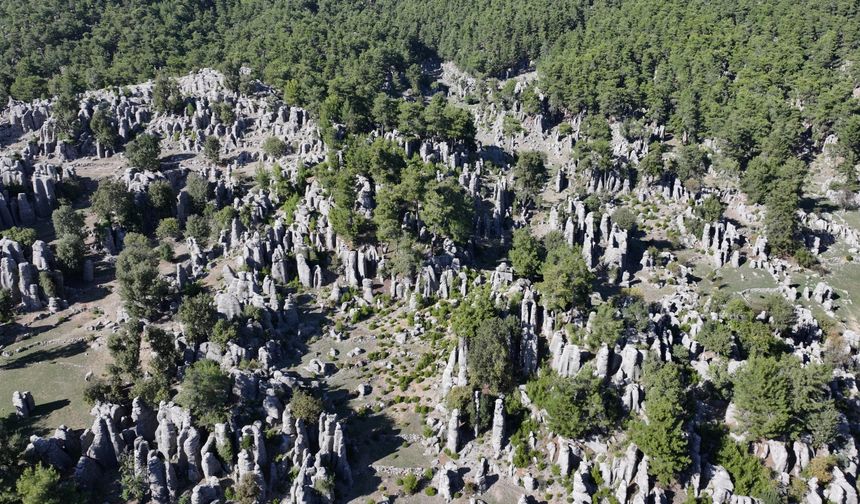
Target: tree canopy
x=779, y=398
x=143, y=152
x=566, y=278
x=141, y=287
x=206, y=392
x=490, y=361
x=662, y=437
x=577, y=406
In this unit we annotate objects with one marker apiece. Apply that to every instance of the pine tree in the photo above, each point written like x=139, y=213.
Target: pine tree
x=662, y=437
x=763, y=398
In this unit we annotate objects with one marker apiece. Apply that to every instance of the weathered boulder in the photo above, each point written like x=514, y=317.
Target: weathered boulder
x=87, y=473
x=443, y=484
x=102, y=449
x=498, y=432
x=48, y=451
x=720, y=485
x=23, y=403
x=453, y=439
x=211, y=465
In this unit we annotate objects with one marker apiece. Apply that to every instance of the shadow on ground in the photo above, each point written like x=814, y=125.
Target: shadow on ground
x=60, y=352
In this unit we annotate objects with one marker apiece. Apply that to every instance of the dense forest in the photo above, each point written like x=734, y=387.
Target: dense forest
x=725, y=69
x=728, y=69
x=598, y=296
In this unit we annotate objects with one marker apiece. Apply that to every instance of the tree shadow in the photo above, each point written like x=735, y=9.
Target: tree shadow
x=86, y=292
x=310, y=318
x=817, y=204
x=60, y=352
x=371, y=438
x=90, y=294
x=11, y=332
x=173, y=161
x=638, y=246
x=826, y=240
x=495, y=154
x=458, y=482
x=490, y=253
x=660, y=245
x=9, y=134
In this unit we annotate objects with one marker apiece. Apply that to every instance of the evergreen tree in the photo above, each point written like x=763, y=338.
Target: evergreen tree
x=67, y=221
x=578, y=406
x=566, y=279
x=166, y=97
x=103, y=126
x=141, y=287
x=70, y=252
x=490, y=361
x=7, y=306
x=144, y=151
x=124, y=347
x=42, y=485
x=606, y=327
x=471, y=313
x=526, y=253
x=781, y=222
x=198, y=317
x=161, y=197
x=529, y=175
x=112, y=202
x=212, y=149
x=662, y=437
x=447, y=210
x=305, y=406
x=66, y=109
x=206, y=392
x=763, y=398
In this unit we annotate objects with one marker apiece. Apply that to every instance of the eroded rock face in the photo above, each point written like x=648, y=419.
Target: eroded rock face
x=453, y=440
x=103, y=449
x=498, y=432
x=87, y=473
x=156, y=476
x=50, y=451
x=145, y=420
x=720, y=485
x=261, y=251
x=443, y=485
x=840, y=490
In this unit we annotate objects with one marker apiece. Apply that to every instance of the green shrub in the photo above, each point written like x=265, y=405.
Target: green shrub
x=42, y=485
x=143, y=152
x=305, y=406
x=206, y=392
x=409, y=483
x=165, y=252
x=7, y=306
x=749, y=475
x=24, y=236
x=576, y=406
x=511, y=126
x=625, y=219
x=821, y=467
x=274, y=147
x=168, y=229
x=807, y=259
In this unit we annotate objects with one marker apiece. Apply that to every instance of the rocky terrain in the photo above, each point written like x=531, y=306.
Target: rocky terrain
x=646, y=368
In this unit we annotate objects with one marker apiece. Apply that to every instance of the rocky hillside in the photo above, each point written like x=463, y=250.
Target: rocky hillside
x=478, y=298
